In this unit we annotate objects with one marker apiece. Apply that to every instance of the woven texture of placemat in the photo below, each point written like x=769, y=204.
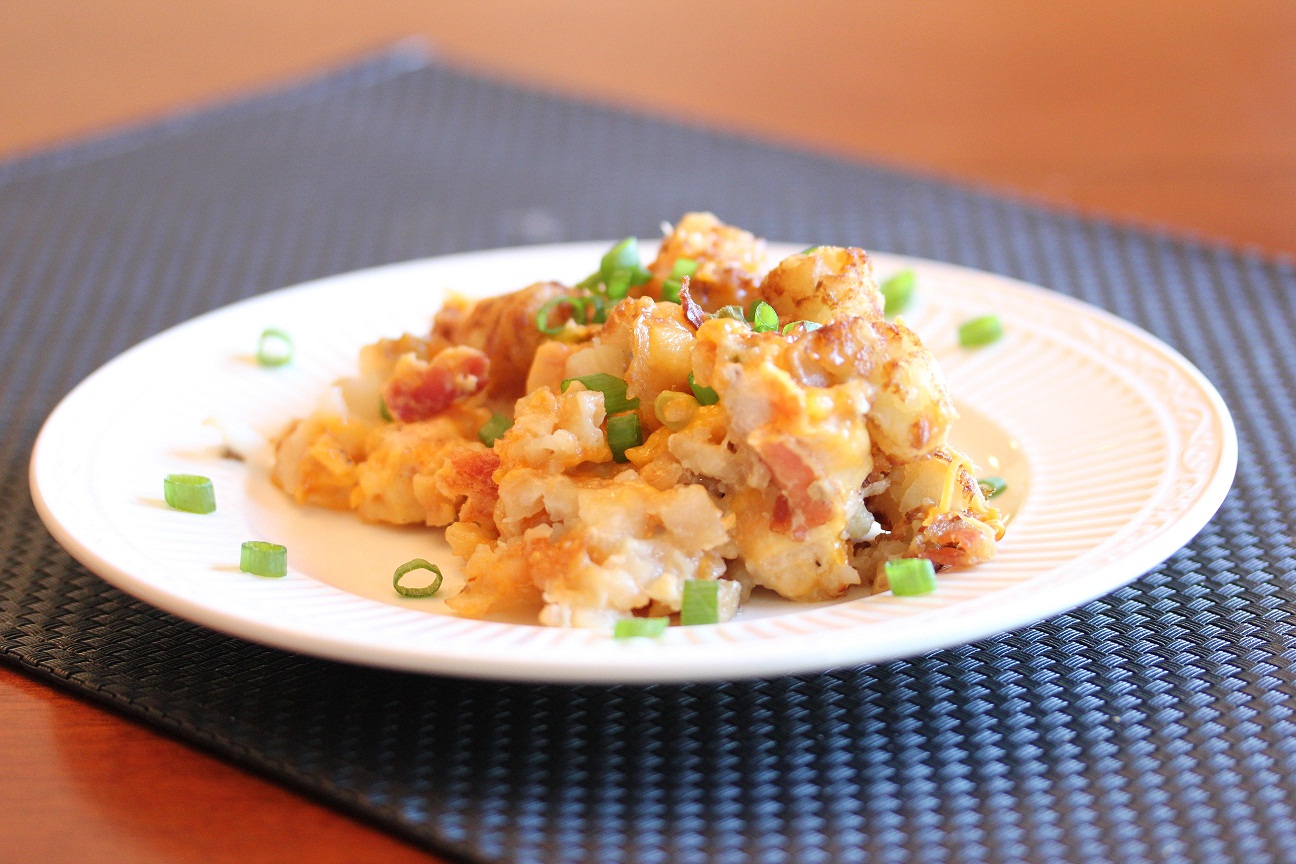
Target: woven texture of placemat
x=1153, y=725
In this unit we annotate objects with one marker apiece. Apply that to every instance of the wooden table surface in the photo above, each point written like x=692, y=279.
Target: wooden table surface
x=1176, y=113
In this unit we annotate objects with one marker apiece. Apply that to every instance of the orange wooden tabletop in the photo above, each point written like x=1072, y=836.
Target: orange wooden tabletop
x=1178, y=113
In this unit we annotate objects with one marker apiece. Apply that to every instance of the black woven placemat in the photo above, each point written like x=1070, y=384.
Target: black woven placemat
x=1152, y=725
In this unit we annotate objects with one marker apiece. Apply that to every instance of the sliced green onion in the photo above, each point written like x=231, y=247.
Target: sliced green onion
x=384, y=412
x=809, y=249
x=263, y=559
x=624, y=255
x=623, y=432
x=631, y=628
x=274, y=348
x=992, y=486
x=671, y=289
x=189, y=492
x=897, y=292
x=674, y=410
x=590, y=282
x=577, y=305
x=732, y=311
x=808, y=325
x=593, y=308
x=701, y=602
x=618, y=284
x=416, y=564
x=612, y=388
x=639, y=275
x=980, y=331
x=764, y=318
x=683, y=267
x=496, y=426
x=704, y=395
x=909, y=577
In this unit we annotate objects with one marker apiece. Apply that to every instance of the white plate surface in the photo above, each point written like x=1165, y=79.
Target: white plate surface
x=1116, y=451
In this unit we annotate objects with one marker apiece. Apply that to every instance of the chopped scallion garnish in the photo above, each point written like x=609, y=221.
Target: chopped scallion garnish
x=384, y=412
x=674, y=410
x=992, y=486
x=671, y=289
x=701, y=603
x=980, y=331
x=189, y=492
x=808, y=325
x=764, y=318
x=612, y=388
x=496, y=426
x=734, y=311
x=622, y=256
x=623, y=432
x=263, y=559
x=594, y=308
x=630, y=628
x=909, y=577
x=809, y=249
x=897, y=292
x=704, y=395
x=274, y=348
x=417, y=564
x=618, y=284
x=578, y=314
x=619, y=270
x=683, y=267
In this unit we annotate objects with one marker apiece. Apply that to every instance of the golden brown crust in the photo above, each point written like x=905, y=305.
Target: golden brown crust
x=729, y=261
x=504, y=329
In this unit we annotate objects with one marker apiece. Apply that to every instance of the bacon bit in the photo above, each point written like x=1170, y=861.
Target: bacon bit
x=794, y=475
x=781, y=519
x=944, y=557
x=953, y=540
x=475, y=470
x=692, y=311
x=469, y=472
x=419, y=390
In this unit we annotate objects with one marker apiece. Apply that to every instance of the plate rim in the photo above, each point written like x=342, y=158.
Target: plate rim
x=611, y=668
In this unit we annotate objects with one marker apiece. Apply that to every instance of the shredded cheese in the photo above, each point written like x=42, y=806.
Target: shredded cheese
x=951, y=482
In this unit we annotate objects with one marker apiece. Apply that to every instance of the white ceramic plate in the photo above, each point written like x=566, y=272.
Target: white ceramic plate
x=1115, y=449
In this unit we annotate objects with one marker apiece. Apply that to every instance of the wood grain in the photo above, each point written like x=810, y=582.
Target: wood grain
x=1180, y=114
x=1177, y=113
x=82, y=784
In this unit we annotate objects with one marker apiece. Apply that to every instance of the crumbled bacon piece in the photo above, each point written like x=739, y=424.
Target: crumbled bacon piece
x=469, y=473
x=692, y=311
x=419, y=390
x=781, y=517
x=954, y=540
x=795, y=476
